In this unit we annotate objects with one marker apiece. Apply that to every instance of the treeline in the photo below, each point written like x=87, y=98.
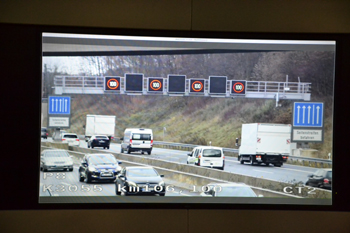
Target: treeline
x=316, y=67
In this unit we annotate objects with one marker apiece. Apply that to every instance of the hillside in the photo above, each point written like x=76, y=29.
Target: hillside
x=193, y=120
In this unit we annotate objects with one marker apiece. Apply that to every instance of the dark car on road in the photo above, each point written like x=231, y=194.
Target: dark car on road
x=44, y=133
x=98, y=167
x=139, y=181
x=98, y=141
x=322, y=178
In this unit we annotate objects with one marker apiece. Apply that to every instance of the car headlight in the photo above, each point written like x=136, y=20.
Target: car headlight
x=161, y=183
x=132, y=183
x=92, y=169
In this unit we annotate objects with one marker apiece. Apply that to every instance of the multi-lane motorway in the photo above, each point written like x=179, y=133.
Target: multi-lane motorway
x=67, y=183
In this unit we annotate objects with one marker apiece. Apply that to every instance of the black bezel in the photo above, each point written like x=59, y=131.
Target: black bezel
x=21, y=47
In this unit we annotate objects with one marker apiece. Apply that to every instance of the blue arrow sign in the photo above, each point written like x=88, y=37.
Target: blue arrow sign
x=59, y=105
x=308, y=114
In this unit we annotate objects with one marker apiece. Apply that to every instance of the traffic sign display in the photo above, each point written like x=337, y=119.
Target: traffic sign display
x=176, y=83
x=197, y=86
x=217, y=84
x=59, y=105
x=112, y=83
x=155, y=85
x=307, y=114
x=134, y=82
x=238, y=87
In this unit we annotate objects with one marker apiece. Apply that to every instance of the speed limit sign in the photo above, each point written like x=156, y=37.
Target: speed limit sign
x=112, y=83
x=155, y=85
x=197, y=86
x=238, y=87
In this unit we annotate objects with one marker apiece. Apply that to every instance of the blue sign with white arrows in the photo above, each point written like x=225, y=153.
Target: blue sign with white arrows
x=308, y=114
x=59, y=105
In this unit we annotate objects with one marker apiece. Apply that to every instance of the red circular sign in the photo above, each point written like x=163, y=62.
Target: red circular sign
x=113, y=84
x=195, y=86
x=155, y=85
x=238, y=87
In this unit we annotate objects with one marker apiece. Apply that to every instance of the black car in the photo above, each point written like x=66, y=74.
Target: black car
x=98, y=167
x=139, y=180
x=322, y=178
x=44, y=133
x=98, y=141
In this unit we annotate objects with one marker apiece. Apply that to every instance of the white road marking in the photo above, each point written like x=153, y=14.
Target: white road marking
x=262, y=171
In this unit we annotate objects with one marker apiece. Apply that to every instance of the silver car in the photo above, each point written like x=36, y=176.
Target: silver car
x=56, y=160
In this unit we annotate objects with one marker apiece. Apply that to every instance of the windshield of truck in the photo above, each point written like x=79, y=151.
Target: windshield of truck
x=211, y=153
x=141, y=136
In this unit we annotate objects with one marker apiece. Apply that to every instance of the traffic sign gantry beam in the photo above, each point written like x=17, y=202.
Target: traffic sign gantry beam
x=215, y=86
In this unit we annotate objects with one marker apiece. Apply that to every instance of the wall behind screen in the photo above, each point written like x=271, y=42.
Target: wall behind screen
x=252, y=15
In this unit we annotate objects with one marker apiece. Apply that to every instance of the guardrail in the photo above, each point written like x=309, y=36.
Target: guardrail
x=304, y=161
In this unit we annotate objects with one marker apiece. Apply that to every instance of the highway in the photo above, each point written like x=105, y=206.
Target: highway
x=64, y=183
x=67, y=183
x=286, y=173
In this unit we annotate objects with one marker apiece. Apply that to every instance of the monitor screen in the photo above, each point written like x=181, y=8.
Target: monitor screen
x=131, y=119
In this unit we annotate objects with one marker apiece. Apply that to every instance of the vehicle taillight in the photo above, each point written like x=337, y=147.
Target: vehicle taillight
x=200, y=156
x=151, y=142
x=285, y=157
x=326, y=181
x=77, y=139
x=130, y=141
x=258, y=156
x=47, y=134
x=63, y=139
x=112, y=138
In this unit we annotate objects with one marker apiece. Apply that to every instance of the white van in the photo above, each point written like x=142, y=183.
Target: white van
x=137, y=140
x=207, y=156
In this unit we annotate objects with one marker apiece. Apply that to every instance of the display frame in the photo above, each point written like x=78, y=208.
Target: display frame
x=29, y=200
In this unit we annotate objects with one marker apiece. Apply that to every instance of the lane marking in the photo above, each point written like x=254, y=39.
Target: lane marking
x=262, y=171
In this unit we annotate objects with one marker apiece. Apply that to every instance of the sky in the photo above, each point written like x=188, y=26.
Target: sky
x=69, y=65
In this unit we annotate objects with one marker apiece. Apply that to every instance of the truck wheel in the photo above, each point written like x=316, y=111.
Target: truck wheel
x=121, y=150
x=241, y=160
x=149, y=152
x=267, y=164
x=251, y=161
x=107, y=147
x=129, y=151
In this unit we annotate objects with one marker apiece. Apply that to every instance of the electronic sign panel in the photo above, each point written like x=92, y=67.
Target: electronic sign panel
x=155, y=85
x=238, y=87
x=134, y=82
x=176, y=83
x=197, y=86
x=112, y=84
x=217, y=84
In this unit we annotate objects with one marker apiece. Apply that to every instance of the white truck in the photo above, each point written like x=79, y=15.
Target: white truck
x=99, y=125
x=265, y=143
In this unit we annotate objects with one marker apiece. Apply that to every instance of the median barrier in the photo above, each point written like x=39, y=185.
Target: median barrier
x=217, y=174
x=57, y=145
x=188, y=181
